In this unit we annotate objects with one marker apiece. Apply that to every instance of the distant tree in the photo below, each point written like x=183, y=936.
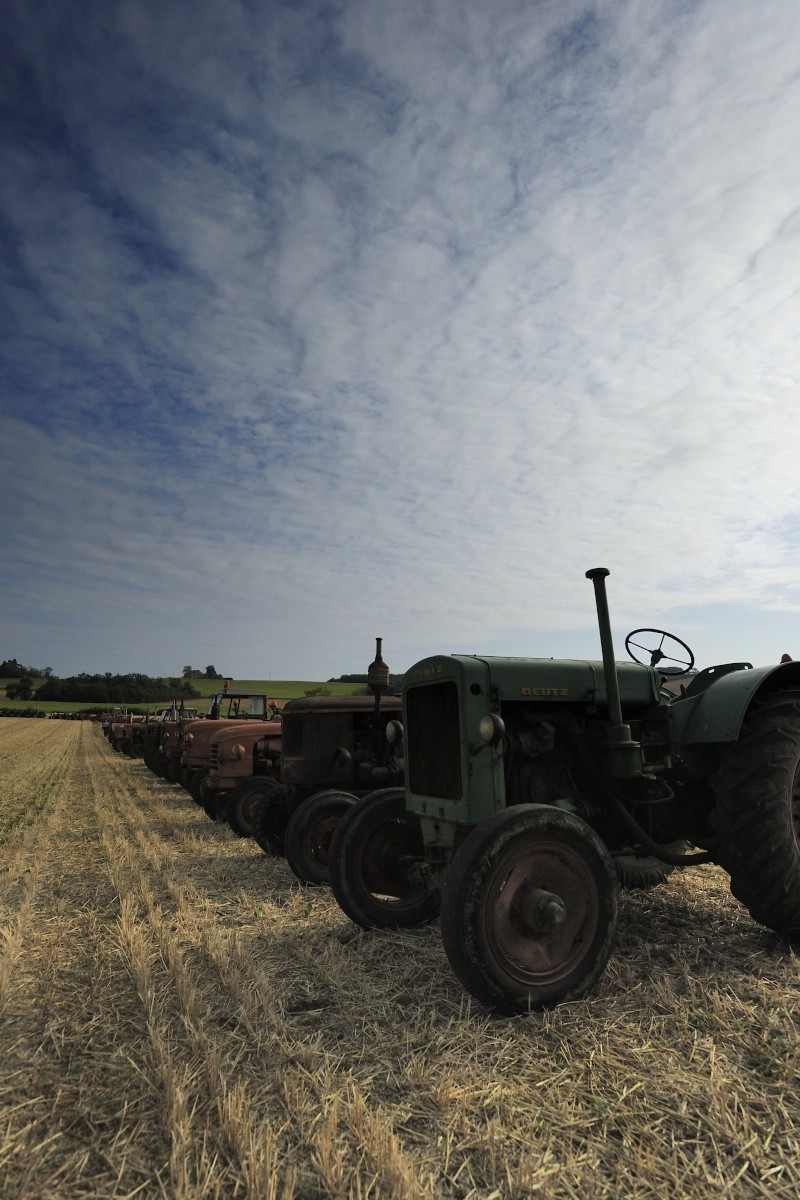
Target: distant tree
x=22, y=690
x=11, y=669
x=187, y=672
x=212, y=673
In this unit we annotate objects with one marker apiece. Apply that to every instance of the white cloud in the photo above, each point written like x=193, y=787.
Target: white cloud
x=403, y=322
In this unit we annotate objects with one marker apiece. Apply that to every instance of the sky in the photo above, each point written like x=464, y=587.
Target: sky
x=322, y=321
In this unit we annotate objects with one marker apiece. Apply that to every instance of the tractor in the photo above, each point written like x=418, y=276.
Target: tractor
x=239, y=757
x=187, y=759
x=535, y=788
x=334, y=750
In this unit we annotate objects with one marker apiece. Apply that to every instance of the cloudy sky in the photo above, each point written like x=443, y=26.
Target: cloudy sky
x=328, y=320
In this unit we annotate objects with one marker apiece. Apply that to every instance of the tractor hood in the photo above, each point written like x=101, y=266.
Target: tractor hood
x=553, y=680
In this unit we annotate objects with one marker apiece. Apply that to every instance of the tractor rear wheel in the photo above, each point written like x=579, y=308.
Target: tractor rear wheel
x=374, y=861
x=238, y=805
x=309, y=832
x=268, y=816
x=530, y=909
x=757, y=817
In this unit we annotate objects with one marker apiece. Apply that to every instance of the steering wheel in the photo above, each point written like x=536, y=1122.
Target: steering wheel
x=682, y=662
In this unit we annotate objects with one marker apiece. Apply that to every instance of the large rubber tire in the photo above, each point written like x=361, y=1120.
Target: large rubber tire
x=269, y=815
x=757, y=815
x=213, y=804
x=309, y=833
x=196, y=786
x=185, y=778
x=505, y=870
x=371, y=864
x=238, y=805
x=171, y=767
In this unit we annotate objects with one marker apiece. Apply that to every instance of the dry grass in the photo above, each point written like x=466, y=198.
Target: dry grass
x=181, y=1019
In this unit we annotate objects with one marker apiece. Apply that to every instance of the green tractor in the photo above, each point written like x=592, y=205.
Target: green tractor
x=334, y=749
x=534, y=788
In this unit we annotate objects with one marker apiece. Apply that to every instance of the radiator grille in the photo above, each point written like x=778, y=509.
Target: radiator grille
x=433, y=742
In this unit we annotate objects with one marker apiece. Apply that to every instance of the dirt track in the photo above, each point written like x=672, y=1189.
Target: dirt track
x=180, y=1019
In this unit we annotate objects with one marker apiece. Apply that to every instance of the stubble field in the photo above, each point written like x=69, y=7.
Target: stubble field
x=179, y=1018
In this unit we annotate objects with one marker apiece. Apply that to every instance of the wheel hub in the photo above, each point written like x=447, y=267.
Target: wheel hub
x=539, y=910
x=542, y=912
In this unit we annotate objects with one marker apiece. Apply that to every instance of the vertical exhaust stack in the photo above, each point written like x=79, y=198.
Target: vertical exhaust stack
x=623, y=755
x=378, y=678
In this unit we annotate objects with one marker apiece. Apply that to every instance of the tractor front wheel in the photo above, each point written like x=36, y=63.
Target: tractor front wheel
x=213, y=803
x=309, y=833
x=757, y=817
x=238, y=806
x=268, y=816
x=196, y=785
x=530, y=909
x=374, y=863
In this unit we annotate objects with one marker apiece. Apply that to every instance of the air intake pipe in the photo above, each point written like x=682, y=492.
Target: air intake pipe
x=623, y=756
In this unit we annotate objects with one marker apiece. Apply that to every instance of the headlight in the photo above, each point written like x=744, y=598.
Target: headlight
x=394, y=733
x=239, y=750
x=491, y=729
x=190, y=738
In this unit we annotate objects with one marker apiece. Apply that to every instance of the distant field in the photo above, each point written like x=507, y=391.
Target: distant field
x=276, y=689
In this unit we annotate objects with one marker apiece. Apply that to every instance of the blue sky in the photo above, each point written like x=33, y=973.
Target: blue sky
x=322, y=321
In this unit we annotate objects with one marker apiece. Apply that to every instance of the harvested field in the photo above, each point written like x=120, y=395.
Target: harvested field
x=181, y=1019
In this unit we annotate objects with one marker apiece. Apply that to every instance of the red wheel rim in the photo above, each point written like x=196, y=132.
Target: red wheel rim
x=524, y=953
x=319, y=839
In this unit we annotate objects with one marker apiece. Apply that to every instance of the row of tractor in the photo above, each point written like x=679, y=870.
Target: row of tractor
x=513, y=798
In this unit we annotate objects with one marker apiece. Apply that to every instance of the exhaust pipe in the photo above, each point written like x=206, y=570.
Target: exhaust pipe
x=623, y=755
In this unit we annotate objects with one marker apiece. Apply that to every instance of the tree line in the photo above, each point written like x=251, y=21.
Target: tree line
x=114, y=689
x=395, y=681
x=11, y=669
x=101, y=689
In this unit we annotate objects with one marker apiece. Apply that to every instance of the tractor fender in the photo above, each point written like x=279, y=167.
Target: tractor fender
x=717, y=714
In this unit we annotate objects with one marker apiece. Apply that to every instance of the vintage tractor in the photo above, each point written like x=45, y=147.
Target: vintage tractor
x=192, y=753
x=150, y=741
x=334, y=749
x=239, y=757
x=120, y=731
x=527, y=778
